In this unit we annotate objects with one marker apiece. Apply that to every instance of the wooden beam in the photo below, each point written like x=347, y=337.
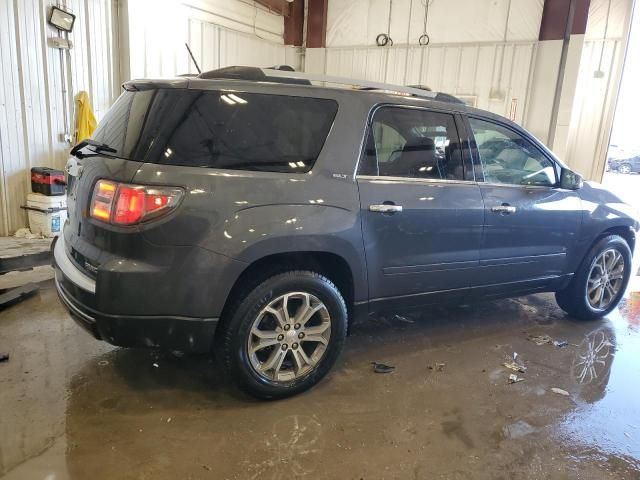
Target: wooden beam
x=317, y=23
x=294, y=24
x=281, y=7
x=554, y=19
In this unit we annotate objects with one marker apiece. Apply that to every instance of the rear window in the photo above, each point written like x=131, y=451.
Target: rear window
x=216, y=129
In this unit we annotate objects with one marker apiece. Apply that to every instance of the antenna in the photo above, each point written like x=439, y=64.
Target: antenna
x=193, y=58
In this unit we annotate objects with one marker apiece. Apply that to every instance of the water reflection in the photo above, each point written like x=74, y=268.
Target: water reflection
x=110, y=413
x=610, y=419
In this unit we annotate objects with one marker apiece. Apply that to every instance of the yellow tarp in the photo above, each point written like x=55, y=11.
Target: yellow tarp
x=86, y=121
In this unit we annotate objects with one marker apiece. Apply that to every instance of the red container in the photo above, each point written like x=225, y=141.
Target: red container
x=47, y=181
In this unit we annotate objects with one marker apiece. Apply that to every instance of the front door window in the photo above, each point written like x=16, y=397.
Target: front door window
x=509, y=158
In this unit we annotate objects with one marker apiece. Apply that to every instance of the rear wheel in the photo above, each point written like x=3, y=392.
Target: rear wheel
x=624, y=168
x=599, y=284
x=285, y=335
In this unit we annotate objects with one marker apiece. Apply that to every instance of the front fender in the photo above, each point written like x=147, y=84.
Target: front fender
x=602, y=211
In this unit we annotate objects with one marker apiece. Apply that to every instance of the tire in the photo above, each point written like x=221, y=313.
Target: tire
x=262, y=311
x=574, y=299
x=625, y=169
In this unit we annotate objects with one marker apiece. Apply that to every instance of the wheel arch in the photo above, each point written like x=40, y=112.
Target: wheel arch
x=329, y=264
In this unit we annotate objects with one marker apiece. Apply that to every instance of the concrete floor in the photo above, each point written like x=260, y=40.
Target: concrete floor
x=72, y=407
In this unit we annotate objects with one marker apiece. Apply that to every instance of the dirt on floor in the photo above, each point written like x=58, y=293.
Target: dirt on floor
x=75, y=408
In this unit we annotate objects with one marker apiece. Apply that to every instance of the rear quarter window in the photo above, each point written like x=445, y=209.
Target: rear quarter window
x=216, y=129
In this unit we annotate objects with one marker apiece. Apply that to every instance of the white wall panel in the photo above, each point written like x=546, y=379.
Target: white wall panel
x=358, y=22
x=495, y=74
x=593, y=108
x=598, y=81
x=33, y=95
x=219, y=34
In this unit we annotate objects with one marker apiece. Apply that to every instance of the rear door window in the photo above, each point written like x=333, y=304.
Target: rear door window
x=416, y=143
x=228, y=130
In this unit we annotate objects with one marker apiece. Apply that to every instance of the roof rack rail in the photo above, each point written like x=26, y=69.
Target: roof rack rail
x=285, y=76
x=363, y=84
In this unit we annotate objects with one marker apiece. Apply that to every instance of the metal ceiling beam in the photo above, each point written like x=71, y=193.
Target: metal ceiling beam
x=294, y=24
x=317, y=23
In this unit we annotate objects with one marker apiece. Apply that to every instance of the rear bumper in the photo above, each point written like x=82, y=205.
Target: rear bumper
x=187, y=334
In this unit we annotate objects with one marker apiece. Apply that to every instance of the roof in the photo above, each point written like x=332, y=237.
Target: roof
x=278, y=80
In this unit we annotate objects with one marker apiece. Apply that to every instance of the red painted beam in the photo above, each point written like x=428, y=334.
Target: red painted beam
x=294, y=24
x=554, y=18
x=317, y=23
x=281, y=7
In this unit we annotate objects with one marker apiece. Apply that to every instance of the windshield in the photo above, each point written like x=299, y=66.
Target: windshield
x=234, y=130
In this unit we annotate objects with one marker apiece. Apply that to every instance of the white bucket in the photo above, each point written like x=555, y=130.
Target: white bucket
x=46, y=214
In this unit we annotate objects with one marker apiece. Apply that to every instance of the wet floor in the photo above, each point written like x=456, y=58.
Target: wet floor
x=75, y=408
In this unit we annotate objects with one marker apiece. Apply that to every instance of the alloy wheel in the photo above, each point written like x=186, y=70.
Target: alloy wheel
x=289, y=337
x=626, y=169
x=605, y=279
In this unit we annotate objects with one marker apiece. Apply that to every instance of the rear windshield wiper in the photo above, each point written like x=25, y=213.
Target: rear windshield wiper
x=99, y=147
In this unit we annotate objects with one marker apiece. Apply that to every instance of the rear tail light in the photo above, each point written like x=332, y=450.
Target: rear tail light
x=124, y=204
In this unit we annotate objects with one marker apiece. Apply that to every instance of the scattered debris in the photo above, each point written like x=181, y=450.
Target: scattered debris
x=403, y=319
x=516, y=367
x=627, y=434
x=382, y=368
x=540, y=339
x=177, y=353
x=560, y=391
x=156, y=365
x=513, y=378
x=438, y=367
x=206, y=467
x=546, y=339
x=518, y=429
x=26, y=233
x=4, y=357
x=103, y=363
x=169, y=420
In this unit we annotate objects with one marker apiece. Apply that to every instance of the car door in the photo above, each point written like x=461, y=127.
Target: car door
x=530, y=222
x=421, y=218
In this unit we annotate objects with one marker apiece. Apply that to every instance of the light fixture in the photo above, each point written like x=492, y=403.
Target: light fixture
x=61, y=19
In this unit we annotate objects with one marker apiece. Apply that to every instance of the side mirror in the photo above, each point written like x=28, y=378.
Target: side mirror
x=570, y=180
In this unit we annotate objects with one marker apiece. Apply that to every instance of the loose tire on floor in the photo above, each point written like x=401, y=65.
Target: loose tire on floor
x=595, y=290
x=270, y=348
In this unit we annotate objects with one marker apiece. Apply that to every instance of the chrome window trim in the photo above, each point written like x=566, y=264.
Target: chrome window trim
x=415, y=180
x=519, y=185
x=378, y=106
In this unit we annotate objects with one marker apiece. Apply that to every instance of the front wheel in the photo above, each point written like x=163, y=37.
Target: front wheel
x=600, y=282
x=285, y=335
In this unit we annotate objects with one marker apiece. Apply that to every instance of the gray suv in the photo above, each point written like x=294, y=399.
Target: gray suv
x=251, y=214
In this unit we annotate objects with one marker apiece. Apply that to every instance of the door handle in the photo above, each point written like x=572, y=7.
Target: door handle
x=504, y=209
x=385, y=208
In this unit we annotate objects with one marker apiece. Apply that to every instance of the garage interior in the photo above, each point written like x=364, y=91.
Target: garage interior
x=75, y=408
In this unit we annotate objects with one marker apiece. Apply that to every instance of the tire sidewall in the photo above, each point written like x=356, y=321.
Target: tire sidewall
x=240, y=326
x=607, y=243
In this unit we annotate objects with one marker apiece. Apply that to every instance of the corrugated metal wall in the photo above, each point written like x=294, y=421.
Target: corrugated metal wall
x=32, y=98
x=219, y=34
x=217, y=47
x=495, y=76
